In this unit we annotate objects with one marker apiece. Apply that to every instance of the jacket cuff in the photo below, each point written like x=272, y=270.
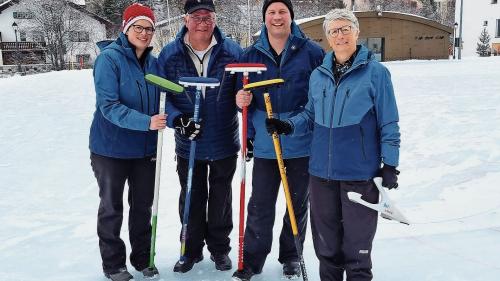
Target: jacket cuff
x=390, y=155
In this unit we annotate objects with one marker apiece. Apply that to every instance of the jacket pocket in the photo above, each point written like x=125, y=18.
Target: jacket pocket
x=324, y=106
x=362, y=135
x=343, y=106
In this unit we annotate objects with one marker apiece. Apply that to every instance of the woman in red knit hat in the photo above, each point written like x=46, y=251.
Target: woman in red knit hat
x=123, y=138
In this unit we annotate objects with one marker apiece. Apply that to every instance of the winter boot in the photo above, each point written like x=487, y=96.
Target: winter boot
x=291, y=270
x=150, y=273
x=187, y=265
x=222, y=261
x=121, y=275
x=243, y=275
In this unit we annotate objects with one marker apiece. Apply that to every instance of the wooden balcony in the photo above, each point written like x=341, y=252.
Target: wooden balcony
x=23, y=46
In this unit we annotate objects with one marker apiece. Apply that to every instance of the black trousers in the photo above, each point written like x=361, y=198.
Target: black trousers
x=266, y=182
x=210, y=214
x=111, y=174
x=342, y=230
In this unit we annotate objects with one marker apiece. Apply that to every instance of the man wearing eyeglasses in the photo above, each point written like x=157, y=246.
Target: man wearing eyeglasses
x=201, y=49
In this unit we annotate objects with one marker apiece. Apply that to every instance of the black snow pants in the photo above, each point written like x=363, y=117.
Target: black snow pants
x=266, y=182
x=213, y=224
x=342, y=230
x=111, y=174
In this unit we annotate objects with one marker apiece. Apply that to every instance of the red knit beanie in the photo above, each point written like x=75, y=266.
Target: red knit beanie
x=137, y=12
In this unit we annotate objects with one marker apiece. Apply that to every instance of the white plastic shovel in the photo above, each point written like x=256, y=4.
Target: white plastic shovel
x=385, y=206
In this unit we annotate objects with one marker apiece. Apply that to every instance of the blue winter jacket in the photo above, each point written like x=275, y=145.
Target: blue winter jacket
x=124, y=102
x=299, y=58
x=354, y=120
x=220, y=137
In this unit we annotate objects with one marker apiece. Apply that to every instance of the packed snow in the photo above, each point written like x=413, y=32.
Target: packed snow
x=450, y=174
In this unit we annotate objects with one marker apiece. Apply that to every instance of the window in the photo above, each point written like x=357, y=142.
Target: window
x=485, y=23
x=22, y=36
x=37, y=36
x=79, y=36
x=374, y=44
x=23, y=15
x=497, y=33
x=84, y=58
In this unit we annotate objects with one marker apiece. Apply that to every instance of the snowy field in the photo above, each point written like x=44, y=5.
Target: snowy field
x=450, y=175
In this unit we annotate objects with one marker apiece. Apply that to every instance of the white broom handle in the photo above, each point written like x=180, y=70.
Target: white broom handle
x=158, y=157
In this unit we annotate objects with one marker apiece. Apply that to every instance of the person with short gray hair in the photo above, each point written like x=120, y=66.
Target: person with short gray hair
x=339, y=14
x=352, y=113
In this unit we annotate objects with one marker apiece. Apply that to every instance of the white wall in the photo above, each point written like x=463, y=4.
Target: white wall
x=6, y=21
x=475, y=12
x=97, y=32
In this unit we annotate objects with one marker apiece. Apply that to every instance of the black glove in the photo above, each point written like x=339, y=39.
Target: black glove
x=389, y=176
x=249, y=150
x=274, y=125
x=185, y=125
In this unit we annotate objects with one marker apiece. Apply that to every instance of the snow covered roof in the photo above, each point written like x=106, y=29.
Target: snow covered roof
x=5, y=4
x=300, y=21
x=81, y=8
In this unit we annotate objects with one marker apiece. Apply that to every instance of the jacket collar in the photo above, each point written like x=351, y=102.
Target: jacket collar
x=122, y=45
x=296, y=39
x=363, y=56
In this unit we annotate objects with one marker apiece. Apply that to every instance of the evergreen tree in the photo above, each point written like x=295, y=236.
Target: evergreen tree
x=109, y=9
x=483, y=46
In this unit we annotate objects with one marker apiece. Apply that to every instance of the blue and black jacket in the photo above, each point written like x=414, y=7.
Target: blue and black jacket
x=124, y=102
x=299, y=58
x=354, y=121
x=218, y=111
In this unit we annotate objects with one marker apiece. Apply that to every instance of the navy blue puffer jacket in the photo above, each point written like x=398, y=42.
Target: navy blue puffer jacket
x=299, y=58
x=220, y=138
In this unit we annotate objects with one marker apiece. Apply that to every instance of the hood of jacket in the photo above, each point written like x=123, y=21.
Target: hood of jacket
x=297, y=38
x=363, y=56
x=122, y=45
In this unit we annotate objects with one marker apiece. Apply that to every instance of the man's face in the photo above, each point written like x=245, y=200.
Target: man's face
x=200, y=25
x=278, y=20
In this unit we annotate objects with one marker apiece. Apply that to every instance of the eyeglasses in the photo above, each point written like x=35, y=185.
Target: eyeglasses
x=207, y=20
x=139, y=29
x=345, y=30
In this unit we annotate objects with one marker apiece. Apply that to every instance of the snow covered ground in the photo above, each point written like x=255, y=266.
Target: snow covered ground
x=450, y=173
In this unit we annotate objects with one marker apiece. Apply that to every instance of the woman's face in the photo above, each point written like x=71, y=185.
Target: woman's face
x=141, y=40
x=342, y=36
